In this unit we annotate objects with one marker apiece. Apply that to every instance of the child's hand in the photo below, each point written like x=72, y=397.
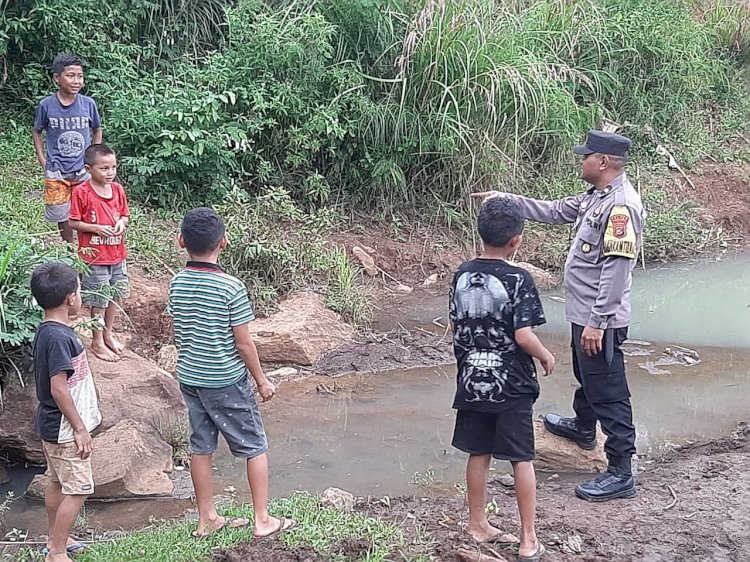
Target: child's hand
x=119, y=227
x=267, y=390
x=42, y=162
x=102, y=230
x=548, y=363
x=83, y=443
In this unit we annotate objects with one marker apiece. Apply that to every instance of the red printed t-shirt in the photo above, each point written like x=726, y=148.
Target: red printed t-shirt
x=89, y=207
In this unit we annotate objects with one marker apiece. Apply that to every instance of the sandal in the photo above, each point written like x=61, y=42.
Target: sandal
x=229, y=523
x=284, y=525
x=540, y=550
x=501, y=539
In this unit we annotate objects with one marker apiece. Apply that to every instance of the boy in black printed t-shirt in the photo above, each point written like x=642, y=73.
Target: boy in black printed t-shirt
x=68, y=406
x=493, y=308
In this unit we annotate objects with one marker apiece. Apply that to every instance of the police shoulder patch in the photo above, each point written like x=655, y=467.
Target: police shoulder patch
x=619, y=237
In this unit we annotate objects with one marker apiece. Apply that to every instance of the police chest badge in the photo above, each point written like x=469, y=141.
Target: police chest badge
x=619, y=237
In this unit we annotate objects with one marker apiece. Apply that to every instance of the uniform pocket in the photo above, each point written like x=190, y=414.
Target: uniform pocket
x=588, y=244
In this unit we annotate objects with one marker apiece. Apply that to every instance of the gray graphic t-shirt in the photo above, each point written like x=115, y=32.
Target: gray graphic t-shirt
x=68, y=130
x=490, y=300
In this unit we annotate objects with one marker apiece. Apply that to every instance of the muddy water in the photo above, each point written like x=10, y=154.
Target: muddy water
x=374, y=434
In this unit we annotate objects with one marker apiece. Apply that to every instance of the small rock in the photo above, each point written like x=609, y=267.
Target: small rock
x=167, y=358
x=405, y=289
x=337, y=498
x=507, y=480
x=366, y=260
x=284, y=372
x=572, y=545
x=368, y=249
x=431, y=280
x=558, y=453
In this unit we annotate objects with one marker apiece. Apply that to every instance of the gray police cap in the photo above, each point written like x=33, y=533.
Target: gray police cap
x=604, y=143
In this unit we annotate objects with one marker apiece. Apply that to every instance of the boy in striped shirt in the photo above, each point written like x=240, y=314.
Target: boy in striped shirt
x=210, y=311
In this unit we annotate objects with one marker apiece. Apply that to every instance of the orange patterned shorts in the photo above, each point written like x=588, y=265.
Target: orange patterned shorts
x=58, y=188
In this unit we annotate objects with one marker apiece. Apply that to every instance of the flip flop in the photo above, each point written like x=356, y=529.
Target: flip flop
x=534, y=557
x=284, y=525
x=73, y=549
x=229, y=523
x=498, y=539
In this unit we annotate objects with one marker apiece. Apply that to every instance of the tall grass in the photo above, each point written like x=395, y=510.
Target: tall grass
x=489, y=92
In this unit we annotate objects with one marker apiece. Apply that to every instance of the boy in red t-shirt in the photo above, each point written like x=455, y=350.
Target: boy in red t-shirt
x=99, y=212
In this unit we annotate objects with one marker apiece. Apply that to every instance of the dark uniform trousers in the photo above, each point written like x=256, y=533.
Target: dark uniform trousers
x=604, y=394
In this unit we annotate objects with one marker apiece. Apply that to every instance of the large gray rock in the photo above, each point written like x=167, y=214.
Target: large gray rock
x=301, y=332
x=133, y=388
x=129, y=460
x=559, y=454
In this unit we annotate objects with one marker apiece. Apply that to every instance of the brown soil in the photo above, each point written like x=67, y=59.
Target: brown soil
x=724, y=193
x=273, y=550
x=693, y=505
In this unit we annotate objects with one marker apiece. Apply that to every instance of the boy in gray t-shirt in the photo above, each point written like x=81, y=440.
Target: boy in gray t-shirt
x=71, y=122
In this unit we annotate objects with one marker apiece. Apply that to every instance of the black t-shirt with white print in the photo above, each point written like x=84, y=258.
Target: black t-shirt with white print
x=57, y=349
x=489, y=300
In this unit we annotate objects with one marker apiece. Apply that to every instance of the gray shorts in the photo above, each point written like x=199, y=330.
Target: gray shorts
x=58, y=188
x=102, y=284
x=232, y=411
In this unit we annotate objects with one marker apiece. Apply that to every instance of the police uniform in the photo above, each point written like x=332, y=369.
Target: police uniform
x=608, y=226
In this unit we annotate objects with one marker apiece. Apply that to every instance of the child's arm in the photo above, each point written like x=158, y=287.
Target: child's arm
x=39, y=147
x=249, y=353
x=527, y=340
x=120, y=226
x=96, y=135
x=61, y=395
x=99, y=229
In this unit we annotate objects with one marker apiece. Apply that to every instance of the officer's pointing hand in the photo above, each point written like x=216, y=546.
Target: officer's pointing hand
x=591, y=340
x=484, y=195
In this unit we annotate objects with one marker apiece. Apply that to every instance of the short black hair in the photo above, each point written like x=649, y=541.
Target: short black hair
x=96, y=151
x=52, y=282
x=202, y=230
x=65, y=59
x=500, y=219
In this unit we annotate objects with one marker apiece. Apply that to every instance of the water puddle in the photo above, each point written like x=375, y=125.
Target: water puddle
x=391, y=434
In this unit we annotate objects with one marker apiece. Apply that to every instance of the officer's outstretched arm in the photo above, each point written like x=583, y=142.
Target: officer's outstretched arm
x=560, y=211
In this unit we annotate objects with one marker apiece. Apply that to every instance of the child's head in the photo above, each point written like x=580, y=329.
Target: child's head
x=500, y=222
x=55, y=285
x=202, y=233
x=101, y=163
x=67, y=70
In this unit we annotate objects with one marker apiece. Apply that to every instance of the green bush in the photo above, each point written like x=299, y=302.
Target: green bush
x=376, y=102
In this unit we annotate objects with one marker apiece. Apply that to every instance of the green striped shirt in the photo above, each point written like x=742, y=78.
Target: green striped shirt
x=205, y=304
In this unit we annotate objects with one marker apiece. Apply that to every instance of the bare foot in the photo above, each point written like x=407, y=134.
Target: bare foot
x=111, y=342
x=530, y=549
x=211, y=527
x=103, y=352
x=58, y=557
x=272, y=526
x=487, y=533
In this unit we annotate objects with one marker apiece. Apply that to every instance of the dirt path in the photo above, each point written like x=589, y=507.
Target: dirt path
x=707, y=518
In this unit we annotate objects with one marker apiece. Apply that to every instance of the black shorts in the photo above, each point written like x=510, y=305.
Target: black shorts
x=508, y=435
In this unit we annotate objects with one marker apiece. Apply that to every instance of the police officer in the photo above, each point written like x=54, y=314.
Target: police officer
x=608, y=222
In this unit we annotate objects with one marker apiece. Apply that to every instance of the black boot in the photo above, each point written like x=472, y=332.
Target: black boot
x=616, y=483
x=570, y=429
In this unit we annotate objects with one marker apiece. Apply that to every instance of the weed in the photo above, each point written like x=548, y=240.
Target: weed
x=423, y=480
x=322, y=528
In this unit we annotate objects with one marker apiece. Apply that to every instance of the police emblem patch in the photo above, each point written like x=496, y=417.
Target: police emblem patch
x=619, y=224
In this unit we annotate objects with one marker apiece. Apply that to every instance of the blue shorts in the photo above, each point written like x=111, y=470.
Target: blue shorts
x=230, y=410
